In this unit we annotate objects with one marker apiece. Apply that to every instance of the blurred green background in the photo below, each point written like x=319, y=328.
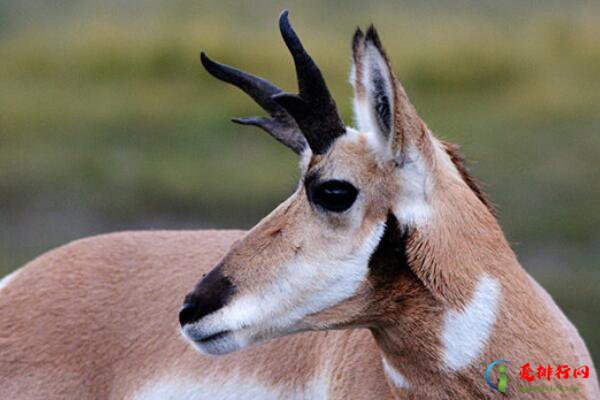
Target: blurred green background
x=108, y=122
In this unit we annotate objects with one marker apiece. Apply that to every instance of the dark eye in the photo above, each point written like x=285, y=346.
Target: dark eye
x=333, y=195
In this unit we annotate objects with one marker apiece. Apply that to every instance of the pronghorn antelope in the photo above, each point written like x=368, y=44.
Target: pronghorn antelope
x=386, y=233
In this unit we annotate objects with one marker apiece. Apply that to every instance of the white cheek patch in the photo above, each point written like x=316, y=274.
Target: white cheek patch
x=229, y=387
x=466, y=332
x=394, y=376
x=303, y=287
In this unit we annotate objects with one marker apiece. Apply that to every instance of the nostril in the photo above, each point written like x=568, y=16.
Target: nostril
x=187, y=313
x=210, y=295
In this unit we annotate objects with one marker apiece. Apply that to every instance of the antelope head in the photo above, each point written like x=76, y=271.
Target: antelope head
x=332, y=255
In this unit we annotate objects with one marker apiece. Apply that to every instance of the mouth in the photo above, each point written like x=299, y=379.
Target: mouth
x=214, y=336
x=221, y=342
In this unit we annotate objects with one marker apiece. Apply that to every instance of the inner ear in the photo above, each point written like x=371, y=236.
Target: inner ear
x=381, y=99
x=373, y=85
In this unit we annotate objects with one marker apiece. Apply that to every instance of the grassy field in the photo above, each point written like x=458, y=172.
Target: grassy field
x=107, y=120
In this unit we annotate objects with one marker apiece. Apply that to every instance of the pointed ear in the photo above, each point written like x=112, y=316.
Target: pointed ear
x=374, y=86
x=381, y=106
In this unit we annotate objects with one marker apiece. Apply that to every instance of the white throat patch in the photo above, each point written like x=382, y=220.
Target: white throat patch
x=466, y=332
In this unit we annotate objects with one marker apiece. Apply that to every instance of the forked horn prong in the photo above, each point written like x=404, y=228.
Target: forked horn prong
x=313, y=108
x=281, y=125
x=284, y=132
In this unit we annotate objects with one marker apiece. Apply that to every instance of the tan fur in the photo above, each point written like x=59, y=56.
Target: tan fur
x=59, y=340
x=98, y=318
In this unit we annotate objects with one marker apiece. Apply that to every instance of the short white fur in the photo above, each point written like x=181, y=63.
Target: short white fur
x=216, y=388
x=466, y=332
x=364, y=110
x=304, y=287
x=411, y=208
x=396, y=377
x=8, y=278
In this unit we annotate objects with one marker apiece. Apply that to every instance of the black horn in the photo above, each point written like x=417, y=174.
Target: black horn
x=282, y=126
x=313, y=108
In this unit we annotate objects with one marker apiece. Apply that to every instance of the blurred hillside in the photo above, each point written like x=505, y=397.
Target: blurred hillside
x=108, y=122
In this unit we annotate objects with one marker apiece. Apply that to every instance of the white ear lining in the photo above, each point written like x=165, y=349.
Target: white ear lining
x=362, y=115
x=373, y=110
x=379, y=89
